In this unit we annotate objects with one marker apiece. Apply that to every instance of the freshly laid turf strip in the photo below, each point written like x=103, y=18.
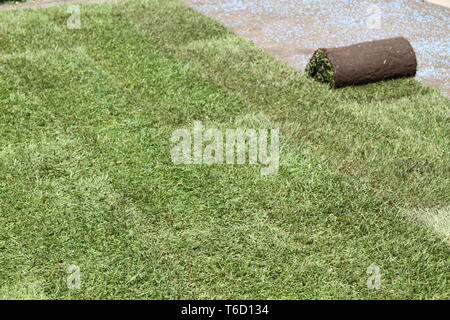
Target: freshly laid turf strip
x=86, y=178
x=363, y=62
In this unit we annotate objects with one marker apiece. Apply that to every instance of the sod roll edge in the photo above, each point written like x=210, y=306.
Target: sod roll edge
x=363, y=63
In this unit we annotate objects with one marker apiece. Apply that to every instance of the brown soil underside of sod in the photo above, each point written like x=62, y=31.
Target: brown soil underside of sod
x=371, y=62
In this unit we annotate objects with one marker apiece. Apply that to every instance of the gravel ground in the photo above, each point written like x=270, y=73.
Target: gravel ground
x=293, y=29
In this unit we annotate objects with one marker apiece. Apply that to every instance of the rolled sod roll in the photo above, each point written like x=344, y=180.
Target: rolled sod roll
x=364, y=62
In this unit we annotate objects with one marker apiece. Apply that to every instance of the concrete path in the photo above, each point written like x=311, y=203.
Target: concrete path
x=293, y=29
x=445, y=3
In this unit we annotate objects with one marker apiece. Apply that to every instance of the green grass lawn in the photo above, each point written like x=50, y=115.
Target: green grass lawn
x=86, y=178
